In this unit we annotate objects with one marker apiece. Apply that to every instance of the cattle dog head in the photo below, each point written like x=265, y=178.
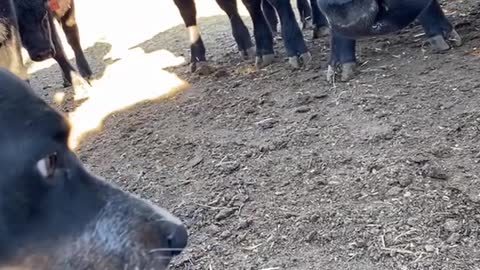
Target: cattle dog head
x=54, y=214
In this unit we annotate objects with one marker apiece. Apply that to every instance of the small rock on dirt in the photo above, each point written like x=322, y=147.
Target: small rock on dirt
x=474, y=195
x=320, y=95
x=243, y=224
x=302, y=109
x=311, y=236
x=452, y=225
x=225, y=234
x=229, y=167
x=453, y=238
x=412, y=221
x=434, y=172
x=314, y=217
x=405, y=181
x=429, y=248
x=394, y=191
x=195, y=161
x=224, y=213
x=266, y=123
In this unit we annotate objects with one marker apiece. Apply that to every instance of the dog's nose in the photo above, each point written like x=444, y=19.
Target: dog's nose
x=177, y=236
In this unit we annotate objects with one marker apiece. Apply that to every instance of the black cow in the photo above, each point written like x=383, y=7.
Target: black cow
x=10, y=44
x=292, y=36
x=240, y=32
x=41, y=40
x=353, y=19
x=54, y=214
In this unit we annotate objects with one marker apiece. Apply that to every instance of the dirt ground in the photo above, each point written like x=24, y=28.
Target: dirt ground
x=278, y=169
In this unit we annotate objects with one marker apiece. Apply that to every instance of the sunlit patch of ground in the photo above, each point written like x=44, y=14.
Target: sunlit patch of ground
x=137, y=77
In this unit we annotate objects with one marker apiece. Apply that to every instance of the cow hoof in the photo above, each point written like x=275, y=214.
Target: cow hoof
x=454, y=38
x=248, y=53
x=86, y=73
x=193, y=67
x=298, y=61
x=307, y=24
x=439, y=44
x=264, y=60
x=346, y=71
x=80, y=86
x=66, y=83
x=319, y=32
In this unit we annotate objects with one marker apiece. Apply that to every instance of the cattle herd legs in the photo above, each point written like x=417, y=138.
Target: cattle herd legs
x=345, y=22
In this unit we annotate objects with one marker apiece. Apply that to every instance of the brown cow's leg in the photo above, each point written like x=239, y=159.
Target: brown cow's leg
x=70, y=27
x=60, y=56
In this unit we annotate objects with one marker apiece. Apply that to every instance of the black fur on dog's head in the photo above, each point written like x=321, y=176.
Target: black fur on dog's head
x=54, y=214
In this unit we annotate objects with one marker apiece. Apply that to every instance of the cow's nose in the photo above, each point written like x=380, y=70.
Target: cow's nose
x=177, y=236
x=43, y=55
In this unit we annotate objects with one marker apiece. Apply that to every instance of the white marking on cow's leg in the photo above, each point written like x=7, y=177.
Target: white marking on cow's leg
x=193, y=33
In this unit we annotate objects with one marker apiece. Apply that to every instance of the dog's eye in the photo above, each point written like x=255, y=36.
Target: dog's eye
x=47, y=166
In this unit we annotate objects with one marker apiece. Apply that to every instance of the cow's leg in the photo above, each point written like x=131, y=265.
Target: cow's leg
x=262, y=33
x=342, y=58
x=437, y=27
x=239, y=30
x=320, y=24
x=305, y=12
x=70, y=27
x=188, y=12
x=271, y=15
x=10, y=44
x=297, y=51
x=68, y=70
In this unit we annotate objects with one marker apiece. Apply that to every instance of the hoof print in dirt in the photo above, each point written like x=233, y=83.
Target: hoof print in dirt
x=201, y=68
x=345, y=71
x=442, y=43
x=302, y=60
x=264, y=60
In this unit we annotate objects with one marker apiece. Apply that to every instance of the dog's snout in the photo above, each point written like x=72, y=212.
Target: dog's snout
x=177, y=237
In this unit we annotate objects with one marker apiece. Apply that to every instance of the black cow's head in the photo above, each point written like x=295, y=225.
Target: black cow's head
x=35, y=22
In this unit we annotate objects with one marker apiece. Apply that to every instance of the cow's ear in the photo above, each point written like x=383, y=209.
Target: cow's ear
x=53, y=5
